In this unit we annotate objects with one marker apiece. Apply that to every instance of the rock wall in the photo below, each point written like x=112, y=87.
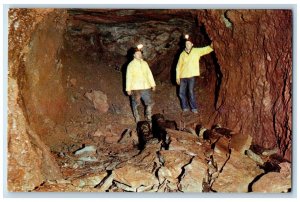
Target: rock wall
x=110, y=35
x=30, y=161
x=254, y=51
x=35, y=46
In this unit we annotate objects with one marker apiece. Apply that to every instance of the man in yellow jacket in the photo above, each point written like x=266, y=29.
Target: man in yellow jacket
x=139, y=82
x=186, y=71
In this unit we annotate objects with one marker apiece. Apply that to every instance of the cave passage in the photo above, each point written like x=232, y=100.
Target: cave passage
x=67, y=89
x=91, y=68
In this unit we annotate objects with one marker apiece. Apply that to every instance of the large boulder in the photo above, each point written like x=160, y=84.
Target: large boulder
x=275, y=182
x=132, y=178
x=99, y=100
x=195, y=172
x=236, y=172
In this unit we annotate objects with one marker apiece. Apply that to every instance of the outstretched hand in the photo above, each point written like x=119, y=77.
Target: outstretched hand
x=212, y=45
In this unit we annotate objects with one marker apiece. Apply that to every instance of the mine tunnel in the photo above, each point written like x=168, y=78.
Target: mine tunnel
x=70, y=123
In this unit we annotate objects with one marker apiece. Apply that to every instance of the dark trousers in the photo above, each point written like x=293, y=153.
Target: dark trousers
x=187, y=88
x=136, y=97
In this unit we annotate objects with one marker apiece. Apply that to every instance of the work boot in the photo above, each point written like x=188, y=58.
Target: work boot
x=185, y=110
x=195, y=111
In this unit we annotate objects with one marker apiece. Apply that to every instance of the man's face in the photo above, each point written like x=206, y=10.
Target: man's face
x=188, y=45
x=138, y=55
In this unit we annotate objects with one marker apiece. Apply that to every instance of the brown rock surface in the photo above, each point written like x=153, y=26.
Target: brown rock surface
x=254, y=51
x=238, y=172
x=195, y=172
x=134, y=177
x=90, y=180
x=35, y=44
x=274, y=182
x=186, y=142
x=99, y=100
x=30, y=162
x=101, y=30
x=173, y=161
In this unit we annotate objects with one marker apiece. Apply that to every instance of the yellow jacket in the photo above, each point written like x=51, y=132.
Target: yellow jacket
x=188, y=63
x=139, y=76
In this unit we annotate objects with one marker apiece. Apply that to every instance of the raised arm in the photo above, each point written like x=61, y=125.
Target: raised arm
x=204, y=50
